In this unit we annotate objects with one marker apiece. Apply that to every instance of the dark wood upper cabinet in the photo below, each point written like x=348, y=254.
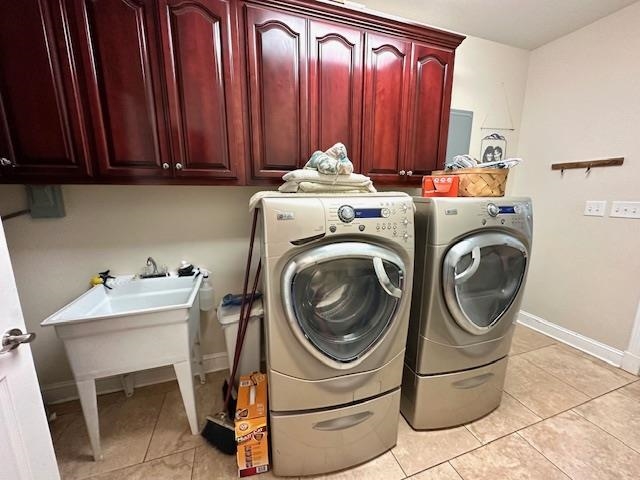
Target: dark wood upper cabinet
x=276, y=49
x=203, y=86
x=386, y=88
x=430, y=98
x=42, y=133
x=119, y=46
x=216, y=91
x=335, y=93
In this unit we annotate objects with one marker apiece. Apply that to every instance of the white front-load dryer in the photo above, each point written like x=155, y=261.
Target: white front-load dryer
x=337, y=289
x=472, y=257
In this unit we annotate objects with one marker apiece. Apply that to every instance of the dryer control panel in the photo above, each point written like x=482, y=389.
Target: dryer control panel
x=389, y=217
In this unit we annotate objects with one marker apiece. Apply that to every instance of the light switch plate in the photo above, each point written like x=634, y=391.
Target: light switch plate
x=625, y=210
x=595, y=208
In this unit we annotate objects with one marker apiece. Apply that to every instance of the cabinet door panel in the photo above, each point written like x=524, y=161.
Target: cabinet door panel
x=432, y=73
x=385, y=100
x=119, y=45
x=335, y=77
x=41, y=130
x=204, y=103
x=276, y=63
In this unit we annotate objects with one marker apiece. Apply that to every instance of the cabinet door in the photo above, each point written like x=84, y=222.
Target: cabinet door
x=119, y=47
x=387, y=74
x=41, y=131
x=335, y=94
x=202, y=83
x=277, y=77
x=432, y=76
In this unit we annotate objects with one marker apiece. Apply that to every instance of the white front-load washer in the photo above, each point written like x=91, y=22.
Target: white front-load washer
x=472, y=256
x=337, y=289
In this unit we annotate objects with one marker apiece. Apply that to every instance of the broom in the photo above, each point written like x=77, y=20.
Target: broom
x=219, y=430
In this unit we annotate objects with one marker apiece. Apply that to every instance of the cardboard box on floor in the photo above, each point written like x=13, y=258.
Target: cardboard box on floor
x=251, y=425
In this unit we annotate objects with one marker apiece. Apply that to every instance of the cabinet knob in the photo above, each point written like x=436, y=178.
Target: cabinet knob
x=402, y=172
x=178, y=166
x=5, y=162
x=410, y=172
x=165, y=166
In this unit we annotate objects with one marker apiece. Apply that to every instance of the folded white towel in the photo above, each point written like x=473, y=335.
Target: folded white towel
x=312, y=187
x=306, y=175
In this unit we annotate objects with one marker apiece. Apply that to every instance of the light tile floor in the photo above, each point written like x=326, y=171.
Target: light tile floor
x=564, y=415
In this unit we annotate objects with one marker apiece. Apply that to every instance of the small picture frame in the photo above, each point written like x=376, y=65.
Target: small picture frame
x=493, y=148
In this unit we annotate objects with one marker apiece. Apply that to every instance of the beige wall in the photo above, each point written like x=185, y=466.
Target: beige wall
x=583, y=102
x=118, y=227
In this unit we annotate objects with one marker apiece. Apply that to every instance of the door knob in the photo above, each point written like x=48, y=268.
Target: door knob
x=165, y=166
x=5, y=162
x=13, y=338
x=410, y=172
x=178, y=166
x=402, y=172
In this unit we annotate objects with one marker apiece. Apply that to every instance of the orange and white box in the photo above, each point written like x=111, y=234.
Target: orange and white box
x=440, y=185
x=251, y=425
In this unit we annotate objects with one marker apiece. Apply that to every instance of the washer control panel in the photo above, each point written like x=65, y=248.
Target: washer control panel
x=512, y=214
x=390, y=217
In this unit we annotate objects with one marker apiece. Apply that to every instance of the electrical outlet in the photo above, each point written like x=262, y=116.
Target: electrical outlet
x=625, y=210
x=595, y=208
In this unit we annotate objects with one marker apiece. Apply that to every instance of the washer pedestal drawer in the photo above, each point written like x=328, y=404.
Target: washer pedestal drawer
x=447, y=400
x=333, y=439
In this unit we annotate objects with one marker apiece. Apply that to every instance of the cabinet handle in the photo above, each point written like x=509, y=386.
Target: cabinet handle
x=5, y=162
x=410, y=172
x=165, y=166
x=178, y=166
x=402, y=172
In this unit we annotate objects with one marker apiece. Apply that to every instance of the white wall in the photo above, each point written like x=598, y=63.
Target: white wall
x=583, y=102
x=118, y=227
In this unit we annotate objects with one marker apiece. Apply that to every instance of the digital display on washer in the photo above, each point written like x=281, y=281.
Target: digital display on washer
x=506, y=210
x=368, y=212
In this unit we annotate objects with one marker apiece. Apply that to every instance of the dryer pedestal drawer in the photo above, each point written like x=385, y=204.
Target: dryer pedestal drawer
x=333, y=439
x=441, y=401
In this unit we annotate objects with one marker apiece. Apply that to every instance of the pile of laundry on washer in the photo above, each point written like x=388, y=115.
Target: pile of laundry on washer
x=327, y=172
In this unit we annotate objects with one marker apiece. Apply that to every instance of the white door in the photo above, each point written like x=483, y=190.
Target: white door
x=26, y=451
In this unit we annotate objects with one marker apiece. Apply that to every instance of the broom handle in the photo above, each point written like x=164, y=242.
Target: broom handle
x=247, y=270
x=242, y=330
x=240, y=338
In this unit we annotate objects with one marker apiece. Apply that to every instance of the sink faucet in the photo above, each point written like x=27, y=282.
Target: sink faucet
x=152, y=263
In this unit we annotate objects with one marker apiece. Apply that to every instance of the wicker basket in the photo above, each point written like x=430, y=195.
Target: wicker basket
x=479, y=182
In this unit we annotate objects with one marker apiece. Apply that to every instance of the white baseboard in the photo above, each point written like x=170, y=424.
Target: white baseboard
x=65, y=391
x=588, y=345
x=631, y=360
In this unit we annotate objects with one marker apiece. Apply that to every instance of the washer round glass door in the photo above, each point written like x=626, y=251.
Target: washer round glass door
x=481, y=277
x=340, y=299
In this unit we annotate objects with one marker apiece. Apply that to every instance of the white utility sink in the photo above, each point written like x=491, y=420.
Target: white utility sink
x=129, y=296
x=139, y=324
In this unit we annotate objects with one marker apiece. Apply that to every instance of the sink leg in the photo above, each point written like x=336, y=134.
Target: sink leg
x=184, y=374
x=197, y=352
x=127, y=384
x=89, y=403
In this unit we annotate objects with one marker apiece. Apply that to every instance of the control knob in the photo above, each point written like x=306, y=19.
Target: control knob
x=493, y=210
x=346, y=213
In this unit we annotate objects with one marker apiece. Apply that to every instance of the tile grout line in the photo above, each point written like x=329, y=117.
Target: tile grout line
x=527, y=408
x=456, y=470
x=579, y=356
x=155, y=425
x=605, y=431
x=542, y=454
x=394, y=457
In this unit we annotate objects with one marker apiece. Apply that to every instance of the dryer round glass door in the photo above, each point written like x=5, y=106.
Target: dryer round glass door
x=341, y=299
x=481, y=277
